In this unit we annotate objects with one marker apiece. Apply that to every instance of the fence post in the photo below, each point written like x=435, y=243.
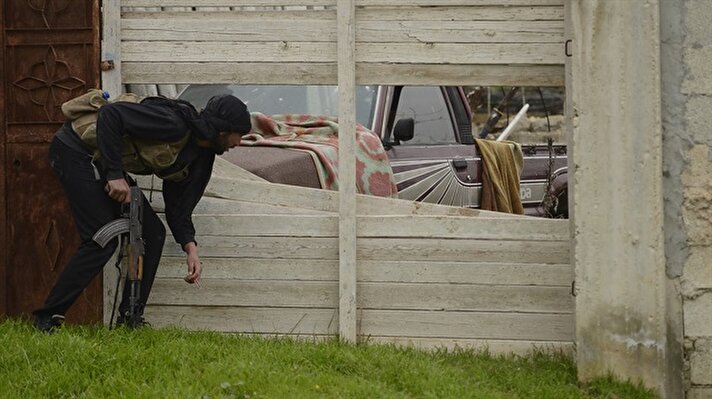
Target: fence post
x=347, y=169
x=622, y=309
x=111, y=47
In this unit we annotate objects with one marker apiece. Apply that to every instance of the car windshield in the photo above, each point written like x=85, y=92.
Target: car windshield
x=287, y=99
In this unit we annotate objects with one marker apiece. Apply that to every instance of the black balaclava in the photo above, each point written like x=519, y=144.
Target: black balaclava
x=223, y=113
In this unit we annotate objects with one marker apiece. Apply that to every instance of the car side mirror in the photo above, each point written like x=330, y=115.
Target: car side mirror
x=404, y=130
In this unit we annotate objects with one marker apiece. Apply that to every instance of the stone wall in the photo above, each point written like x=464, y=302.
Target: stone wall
x=686, y=50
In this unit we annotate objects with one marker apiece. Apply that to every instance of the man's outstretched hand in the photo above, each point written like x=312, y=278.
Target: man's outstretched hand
x=118, y=190
x=194, y=265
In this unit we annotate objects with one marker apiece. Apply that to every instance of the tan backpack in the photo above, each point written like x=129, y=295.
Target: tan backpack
x=139, y=156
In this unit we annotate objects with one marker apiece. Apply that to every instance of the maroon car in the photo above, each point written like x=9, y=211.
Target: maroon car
x=426, y=130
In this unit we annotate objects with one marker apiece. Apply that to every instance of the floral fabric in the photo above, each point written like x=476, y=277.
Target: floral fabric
x=318, y=134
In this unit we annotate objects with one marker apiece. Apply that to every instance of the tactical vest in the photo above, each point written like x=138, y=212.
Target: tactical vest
x=139, y=156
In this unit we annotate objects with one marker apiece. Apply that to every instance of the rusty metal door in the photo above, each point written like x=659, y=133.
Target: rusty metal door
x=50, y=53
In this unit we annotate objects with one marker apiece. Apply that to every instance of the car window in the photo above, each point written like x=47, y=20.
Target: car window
x=427, y=106
x=287, y=99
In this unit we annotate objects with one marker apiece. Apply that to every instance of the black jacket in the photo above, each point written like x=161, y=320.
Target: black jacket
x=162, y=120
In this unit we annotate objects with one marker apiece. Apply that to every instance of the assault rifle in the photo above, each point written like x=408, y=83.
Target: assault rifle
x=130, y=226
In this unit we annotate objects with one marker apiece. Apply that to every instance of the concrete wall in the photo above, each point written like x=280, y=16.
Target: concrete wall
x=686, y=49
x=627, y=308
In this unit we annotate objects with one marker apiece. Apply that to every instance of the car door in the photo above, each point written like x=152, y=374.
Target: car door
x=434, y=166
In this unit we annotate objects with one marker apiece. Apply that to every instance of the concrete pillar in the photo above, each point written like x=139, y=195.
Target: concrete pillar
x=622, y=312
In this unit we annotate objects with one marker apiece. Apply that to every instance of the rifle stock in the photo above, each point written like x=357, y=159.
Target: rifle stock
x=130, y=224
x=136, y=251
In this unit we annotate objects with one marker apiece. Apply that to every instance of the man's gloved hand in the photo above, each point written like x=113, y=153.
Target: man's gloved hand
x=118, y=190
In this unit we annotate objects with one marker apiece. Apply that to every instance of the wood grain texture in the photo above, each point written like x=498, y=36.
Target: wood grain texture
x=317, y=52
x=467, y=325
x=390, y=296
x=331, y=3
x=459, y=227
x=325, y=73
x=250, y=26
x=348, y=241
x=405, y=249
x=246, y=320
x=426, y=275
x=320, y=200
x=111, y=46
x=385, y=323
x=397, y=271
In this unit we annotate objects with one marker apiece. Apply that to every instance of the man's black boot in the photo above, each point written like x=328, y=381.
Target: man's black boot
x=49, y=324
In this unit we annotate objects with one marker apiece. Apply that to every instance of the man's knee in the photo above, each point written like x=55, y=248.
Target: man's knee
x=99, y=255
x=156, y=236
x=109, y=249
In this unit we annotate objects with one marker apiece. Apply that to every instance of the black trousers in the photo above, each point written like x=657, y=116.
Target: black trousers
x=92, y=208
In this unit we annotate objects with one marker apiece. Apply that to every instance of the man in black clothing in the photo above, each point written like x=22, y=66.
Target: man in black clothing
x=97, y=186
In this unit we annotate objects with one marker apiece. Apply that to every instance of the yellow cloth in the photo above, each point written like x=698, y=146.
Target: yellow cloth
x=502, y=167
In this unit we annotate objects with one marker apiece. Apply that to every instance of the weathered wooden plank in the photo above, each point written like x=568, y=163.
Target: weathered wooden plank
x=360, y=3
x=440, y=3
x=209, y=205
x=465, y=297
x=464, y=227
x=254, y=269
x=325, y=73
x=461, y=13
x=405, y=249
x=555, y=275
x=307, y=52
x=461, y=53
x=323, y=200
x=146, y=51
x=484, y=228
x=446, y=250
x=459, y=75
x=109, y=278
x=391, y=296
x=231, y=292
x=226, y=3
x=247, y=320
x=263, y=247
x=230, y=72
x=492, y=346
x=469, y=325
x=267, y=225
x=347, y=169
x=422, y=271
x=226, y=169
x=449, y=31
x=381, y=13
x=239, y=16
x=111, y=46
x=224, y=27
x=218, y=28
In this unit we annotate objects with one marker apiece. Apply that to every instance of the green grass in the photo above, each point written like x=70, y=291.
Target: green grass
x=93, y=362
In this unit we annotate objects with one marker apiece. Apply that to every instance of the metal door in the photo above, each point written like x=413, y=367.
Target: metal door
x=50, y=53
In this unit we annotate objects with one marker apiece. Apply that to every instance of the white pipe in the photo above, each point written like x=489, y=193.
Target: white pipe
x=514, y=121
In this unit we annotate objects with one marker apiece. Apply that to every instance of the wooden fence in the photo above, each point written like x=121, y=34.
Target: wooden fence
x=485, y=42
x=281, y=260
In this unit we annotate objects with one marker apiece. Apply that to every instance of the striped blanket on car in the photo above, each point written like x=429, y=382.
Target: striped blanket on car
x=318, y=135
